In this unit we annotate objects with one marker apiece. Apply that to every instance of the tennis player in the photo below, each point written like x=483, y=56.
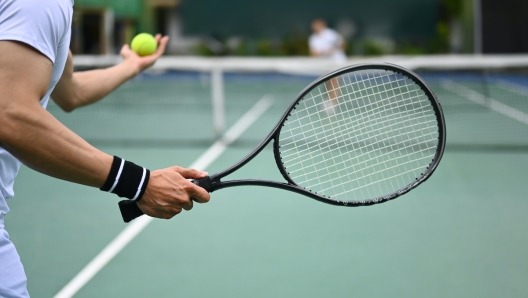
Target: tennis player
x=325, y=42
x=36, y=65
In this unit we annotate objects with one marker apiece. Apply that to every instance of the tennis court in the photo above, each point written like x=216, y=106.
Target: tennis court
x=461, y=234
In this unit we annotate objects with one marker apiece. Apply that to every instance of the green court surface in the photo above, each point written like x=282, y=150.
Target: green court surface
x=461, y=234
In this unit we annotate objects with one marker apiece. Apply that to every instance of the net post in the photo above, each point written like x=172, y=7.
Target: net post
x=477, y=27
x=217, y=98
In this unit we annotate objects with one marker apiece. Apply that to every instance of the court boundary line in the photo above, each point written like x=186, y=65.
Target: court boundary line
x=133, y=229
x=513, y=87
x=486, y=101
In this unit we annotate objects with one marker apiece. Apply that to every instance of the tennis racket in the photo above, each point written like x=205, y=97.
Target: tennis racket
x=359, y=136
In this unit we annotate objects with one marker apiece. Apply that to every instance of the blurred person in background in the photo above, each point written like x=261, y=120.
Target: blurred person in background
x=325, y=42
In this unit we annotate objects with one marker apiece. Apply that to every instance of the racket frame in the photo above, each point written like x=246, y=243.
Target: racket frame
x=216, y=183
x=130, y=210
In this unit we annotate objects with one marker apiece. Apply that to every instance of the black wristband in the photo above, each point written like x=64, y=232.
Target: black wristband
x=126, y=179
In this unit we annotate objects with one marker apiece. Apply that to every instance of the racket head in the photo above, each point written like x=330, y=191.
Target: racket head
x=362, y=135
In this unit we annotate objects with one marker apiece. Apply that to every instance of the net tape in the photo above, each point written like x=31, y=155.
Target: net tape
x=484, y=98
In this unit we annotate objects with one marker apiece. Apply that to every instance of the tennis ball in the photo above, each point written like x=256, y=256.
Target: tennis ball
x=144, y=44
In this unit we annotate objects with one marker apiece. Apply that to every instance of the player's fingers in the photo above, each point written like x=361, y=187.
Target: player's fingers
x=170, y=213
x=190, y=173
x=166, y=212
x=125, y=50
x=157, y=37
x=184, y=199
x=199, y=194
x=189, y=205
x=162, y=45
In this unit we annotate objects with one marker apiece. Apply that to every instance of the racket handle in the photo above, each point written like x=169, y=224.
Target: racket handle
x=130, y=210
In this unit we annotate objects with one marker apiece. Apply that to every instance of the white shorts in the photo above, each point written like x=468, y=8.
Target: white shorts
x=13, y=281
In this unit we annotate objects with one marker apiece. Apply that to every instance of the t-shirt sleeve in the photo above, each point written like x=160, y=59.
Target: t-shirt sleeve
x=312, y=42
x=339, y=39
x=42, y=25
x=334, y=38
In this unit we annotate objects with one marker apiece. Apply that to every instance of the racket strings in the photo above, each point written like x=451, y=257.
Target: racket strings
x=380, y=134
x=360, y=120
x=364, y=161
x=382, y=173
x=372, y=182
x=384, y=163
x=384, y=146
x=378, y=89
x=364, y=131
x=367, y=106
x=392, y=167
x=361, y=97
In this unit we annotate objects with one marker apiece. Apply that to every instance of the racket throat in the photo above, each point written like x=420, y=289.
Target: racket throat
x=208, y=183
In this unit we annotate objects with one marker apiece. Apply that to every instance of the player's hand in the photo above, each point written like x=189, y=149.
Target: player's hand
x=140, y=63
x=169, y=192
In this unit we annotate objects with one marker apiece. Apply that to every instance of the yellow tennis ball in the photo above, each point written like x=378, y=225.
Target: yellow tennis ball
x=144, y=44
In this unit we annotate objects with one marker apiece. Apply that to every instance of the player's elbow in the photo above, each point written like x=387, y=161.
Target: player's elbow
x=4, y=128
x=67, y=106
x=66, y=101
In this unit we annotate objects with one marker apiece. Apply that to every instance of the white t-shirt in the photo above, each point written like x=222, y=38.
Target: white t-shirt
x=46, y=26
x=329, y=44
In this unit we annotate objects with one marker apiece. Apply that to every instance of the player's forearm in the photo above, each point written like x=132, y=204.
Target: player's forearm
x=41, y=142
x=93, y=85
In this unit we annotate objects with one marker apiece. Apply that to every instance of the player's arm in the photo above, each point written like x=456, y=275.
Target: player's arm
x=32, y=134
x=341, y=43
x=77, y=89
x=314, y=53
x=41, y=142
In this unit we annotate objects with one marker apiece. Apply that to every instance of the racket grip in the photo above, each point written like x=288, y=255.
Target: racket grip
x=205, y=183
x=130, y=210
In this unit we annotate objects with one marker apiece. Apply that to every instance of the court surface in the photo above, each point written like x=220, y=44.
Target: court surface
x=461, y=234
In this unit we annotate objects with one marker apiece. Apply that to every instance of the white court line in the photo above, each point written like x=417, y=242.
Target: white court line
x=488, y=102
x=513, y=87
x=134, y=228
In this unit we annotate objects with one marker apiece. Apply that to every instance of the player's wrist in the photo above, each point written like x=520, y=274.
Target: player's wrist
x=132, y=68
x=126, y=179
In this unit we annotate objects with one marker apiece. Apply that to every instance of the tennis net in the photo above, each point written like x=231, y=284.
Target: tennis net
x=189, y=101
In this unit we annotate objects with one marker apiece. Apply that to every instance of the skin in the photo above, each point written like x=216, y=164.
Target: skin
x=41, y=142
